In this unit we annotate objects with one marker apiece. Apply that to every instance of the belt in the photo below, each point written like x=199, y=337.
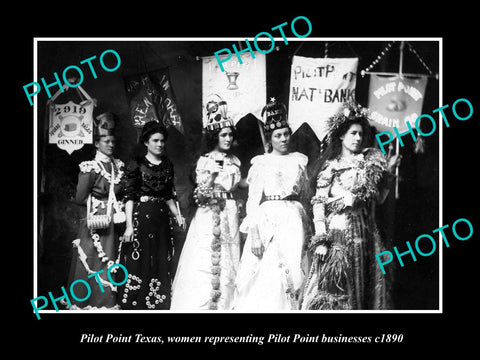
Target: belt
x=283, y=198
x=222, y=194
x=146, y=198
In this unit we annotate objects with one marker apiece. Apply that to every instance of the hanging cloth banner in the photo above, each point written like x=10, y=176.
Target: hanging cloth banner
x=318, y=88
x=151, y=98
x=242, y=86
x=70, y=124
x=394, y=100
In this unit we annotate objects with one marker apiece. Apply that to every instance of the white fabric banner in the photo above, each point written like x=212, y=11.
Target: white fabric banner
x=242, y=86
x=71, y=125
x=318, y=88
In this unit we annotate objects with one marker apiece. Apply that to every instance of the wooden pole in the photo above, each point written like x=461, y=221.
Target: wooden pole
x=397, y=145
x=262, y=134
x=397, y=152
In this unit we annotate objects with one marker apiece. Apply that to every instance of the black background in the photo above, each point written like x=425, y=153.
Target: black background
x=422, y=332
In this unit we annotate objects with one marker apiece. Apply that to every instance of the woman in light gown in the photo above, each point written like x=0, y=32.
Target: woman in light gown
x=209, y=260
x=344, y=274
x=271, y=274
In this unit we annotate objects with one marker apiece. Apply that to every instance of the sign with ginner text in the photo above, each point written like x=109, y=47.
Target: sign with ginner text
x=318, y=88
x=71, y=125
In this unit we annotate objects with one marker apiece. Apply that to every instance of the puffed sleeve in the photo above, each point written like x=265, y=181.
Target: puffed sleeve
x=86, y=180
x=201, y=171
x=132, y=181
x=230, y=176
x=255, y=181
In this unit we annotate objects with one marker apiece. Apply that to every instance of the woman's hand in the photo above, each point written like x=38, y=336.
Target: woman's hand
x=128, y=234
x=181, y=222
x=348, y=199
x=215, y=168
x=321, y=251
x=393, y=162
x=257, y=247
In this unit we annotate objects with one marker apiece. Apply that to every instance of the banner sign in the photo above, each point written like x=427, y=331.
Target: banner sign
x=318, y=88
x=242, y=86
x=394, y=100
x=150, y=96
x=70, y=125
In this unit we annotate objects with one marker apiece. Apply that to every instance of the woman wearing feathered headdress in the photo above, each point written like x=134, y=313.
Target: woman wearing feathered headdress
x=343, y=274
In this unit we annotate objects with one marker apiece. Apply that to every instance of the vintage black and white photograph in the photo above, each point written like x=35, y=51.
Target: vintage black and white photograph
x=232, y=176
x=268, y=175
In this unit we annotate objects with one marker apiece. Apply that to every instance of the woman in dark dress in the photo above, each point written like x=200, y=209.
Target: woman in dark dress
x=95, y=250
x=148, y=247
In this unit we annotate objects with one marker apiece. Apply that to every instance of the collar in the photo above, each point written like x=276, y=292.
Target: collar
x=99, y=156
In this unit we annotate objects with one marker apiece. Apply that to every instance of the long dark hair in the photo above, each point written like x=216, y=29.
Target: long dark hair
x=334, y=148
x=210, y=140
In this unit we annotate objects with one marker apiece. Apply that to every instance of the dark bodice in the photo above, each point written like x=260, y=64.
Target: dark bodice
x=146, y=179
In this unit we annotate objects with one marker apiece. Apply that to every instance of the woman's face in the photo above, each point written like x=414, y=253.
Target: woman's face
x=280, y=140
x=156, y=144
x=106, y=144
x=225, y=138
x=352, y=139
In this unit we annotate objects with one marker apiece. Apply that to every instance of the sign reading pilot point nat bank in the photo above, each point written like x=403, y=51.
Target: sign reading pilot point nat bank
x=395, y=100
x=318, y=89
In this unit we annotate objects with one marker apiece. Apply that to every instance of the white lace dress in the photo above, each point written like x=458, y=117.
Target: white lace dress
x=196, y=286
x=273, y=282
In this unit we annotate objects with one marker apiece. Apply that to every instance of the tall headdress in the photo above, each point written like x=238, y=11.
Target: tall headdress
x=217, y=114
x=276, y=115
x=351, y=111
x=104, y=124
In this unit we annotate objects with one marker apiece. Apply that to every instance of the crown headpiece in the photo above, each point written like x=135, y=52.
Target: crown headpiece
x=276, y=115
x=217, y=113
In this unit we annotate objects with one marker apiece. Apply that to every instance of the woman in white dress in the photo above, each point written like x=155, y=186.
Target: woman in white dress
x=271, y=274
x=208, y=264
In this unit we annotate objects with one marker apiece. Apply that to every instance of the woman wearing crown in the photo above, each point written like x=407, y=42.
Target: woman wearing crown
x=210, y=256
x=271, y=274
x=352, y=178
x=100, y=183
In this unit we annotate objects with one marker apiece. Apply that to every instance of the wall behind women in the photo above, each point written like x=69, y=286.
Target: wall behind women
x=58, y=171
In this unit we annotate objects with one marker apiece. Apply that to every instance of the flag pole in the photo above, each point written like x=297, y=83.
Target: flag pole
x=397, y=145
x=262, y=134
